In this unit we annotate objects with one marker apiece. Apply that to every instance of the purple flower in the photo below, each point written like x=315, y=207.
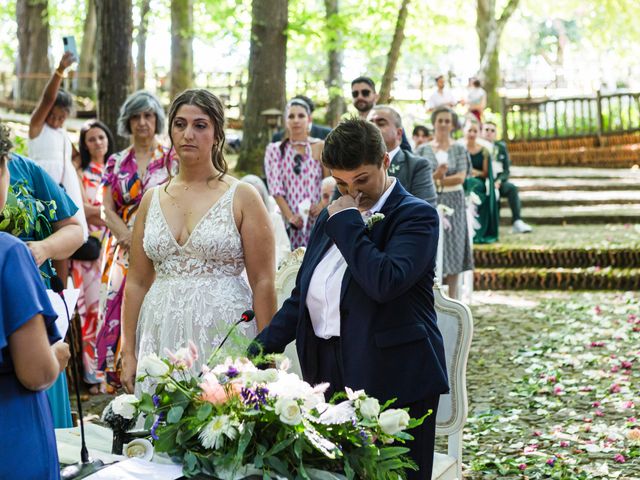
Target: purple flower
x=232, y=372
x=551, y=461
x=156, y=401
x=155, y=426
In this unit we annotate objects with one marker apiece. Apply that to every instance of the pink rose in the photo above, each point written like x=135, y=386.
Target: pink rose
x=564, y=444
x=619, y=458
x=212, y=391
x=615, y=388
x=522, y=466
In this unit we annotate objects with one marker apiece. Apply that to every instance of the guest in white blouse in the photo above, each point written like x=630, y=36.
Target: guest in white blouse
x=362, y=310
x=283, y=245
x=50, y=147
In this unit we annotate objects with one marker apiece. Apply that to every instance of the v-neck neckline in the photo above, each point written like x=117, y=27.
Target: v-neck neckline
x=207, y=213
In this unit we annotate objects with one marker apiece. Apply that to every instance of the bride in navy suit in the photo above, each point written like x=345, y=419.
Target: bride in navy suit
x=362, y=311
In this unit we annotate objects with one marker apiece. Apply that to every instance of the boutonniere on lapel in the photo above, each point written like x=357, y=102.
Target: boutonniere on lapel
x=393, y=169
x=373, y=219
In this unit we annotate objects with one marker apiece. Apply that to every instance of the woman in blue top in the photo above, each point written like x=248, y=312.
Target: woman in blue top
x=31, y=358
x=55, y=238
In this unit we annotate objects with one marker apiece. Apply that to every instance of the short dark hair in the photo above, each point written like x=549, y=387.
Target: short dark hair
x=353, y=143
x=366, y=80
x=439, y=77
x=63, y=100
x=421, y=128
x=307, y=100
x=476, y=82
x=85, y=156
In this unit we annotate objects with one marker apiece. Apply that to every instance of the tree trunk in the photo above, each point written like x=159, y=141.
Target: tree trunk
x=115, y=26
x=489, y=30
x=181, y=46
x=337, y=105
x=87, y=66
x=33, y=69
x=394, y=54
x=266, y=89
x=141, y=40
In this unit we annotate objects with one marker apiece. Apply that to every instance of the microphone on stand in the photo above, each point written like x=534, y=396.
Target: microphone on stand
x=85, y=467
x=246, y=316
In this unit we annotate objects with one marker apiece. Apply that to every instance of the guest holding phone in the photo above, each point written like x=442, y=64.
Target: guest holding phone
x=31, y=357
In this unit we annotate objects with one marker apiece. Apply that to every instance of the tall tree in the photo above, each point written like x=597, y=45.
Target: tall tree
x=181, y=45
x=337, y=105
x=394, y=53
x=115, y=27
x=489, y=30
x=87, y=67
x=141, y=41
x=267, y=69
x=33, y=68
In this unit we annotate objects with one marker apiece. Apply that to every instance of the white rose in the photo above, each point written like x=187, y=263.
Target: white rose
x=394, y=421
x=289, y=411
x=154, y=367
x=369, y=408
x=125, y=406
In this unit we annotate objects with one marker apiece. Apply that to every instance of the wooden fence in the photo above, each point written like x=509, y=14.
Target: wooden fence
x=593, y=116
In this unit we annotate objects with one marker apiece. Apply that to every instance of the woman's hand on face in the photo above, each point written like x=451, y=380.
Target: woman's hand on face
x=296, y=221
x=61, y=352
x=39, y=251
x=128, y=373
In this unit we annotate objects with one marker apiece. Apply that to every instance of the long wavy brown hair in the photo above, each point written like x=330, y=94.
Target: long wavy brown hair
x=213, y=107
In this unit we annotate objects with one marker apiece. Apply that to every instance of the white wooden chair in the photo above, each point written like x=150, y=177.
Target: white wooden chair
x=456, y=324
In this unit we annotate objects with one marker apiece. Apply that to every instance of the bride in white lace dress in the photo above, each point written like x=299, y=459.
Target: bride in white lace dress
x=191, y=241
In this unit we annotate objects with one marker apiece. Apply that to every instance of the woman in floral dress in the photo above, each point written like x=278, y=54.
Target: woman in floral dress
x=127, y=175
x=96, y=146
x=294, y=173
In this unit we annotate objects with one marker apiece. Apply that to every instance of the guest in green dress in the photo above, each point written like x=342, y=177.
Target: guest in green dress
x=48, y=238
x=481, y=183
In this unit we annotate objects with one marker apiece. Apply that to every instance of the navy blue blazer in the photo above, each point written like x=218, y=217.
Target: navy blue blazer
x=390, y=343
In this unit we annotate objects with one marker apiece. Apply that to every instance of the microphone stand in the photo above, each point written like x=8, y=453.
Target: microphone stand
x=246, y=316
x=85, y=467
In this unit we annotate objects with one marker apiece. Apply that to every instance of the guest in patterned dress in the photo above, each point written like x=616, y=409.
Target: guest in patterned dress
x=96, y=146
x=294, y=173
x=451, y=168
x=127, y=175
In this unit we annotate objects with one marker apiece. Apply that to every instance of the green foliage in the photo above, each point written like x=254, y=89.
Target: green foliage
x=25, y=216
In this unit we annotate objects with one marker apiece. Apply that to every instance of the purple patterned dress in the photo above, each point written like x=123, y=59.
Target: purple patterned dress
x=283, y=181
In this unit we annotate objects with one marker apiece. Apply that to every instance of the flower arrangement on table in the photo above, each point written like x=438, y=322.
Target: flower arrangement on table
x=235, y=420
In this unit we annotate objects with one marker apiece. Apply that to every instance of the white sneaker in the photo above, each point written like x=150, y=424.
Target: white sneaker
x=520, y=227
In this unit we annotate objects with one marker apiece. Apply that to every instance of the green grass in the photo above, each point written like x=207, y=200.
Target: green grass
x=570, y=236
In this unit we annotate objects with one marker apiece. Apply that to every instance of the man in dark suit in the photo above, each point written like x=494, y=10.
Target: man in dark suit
x=362, y=310
x=315, y=131
x=363, y=92
x=413, y=172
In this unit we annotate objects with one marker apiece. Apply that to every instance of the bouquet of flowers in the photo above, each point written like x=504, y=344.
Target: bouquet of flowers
x=235, y=420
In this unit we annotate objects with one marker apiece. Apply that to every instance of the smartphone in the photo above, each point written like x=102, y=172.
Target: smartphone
x=70, y=46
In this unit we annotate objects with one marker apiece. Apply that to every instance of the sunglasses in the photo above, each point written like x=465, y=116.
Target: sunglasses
x=297, y=168
x=365, y=93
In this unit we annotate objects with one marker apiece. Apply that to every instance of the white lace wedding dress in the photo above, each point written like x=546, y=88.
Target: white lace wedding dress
x=198, y=292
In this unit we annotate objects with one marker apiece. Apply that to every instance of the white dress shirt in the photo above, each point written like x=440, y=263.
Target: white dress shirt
x=393, y=153
x=323, y=297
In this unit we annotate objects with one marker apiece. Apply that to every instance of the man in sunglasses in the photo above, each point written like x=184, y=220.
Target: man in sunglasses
x=363, y=93
x=501, y=165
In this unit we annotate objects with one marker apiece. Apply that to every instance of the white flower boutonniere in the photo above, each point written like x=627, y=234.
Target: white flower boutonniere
x=373, y=219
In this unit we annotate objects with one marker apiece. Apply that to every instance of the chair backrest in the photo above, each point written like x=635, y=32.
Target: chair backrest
x=456, y=325
x=285, y=281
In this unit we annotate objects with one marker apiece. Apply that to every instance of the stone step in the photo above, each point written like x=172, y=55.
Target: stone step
x=592, y=278
x=576, y=184
x=576, y=198
x=574, y=172
x=498, y=256
x=573, y=215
